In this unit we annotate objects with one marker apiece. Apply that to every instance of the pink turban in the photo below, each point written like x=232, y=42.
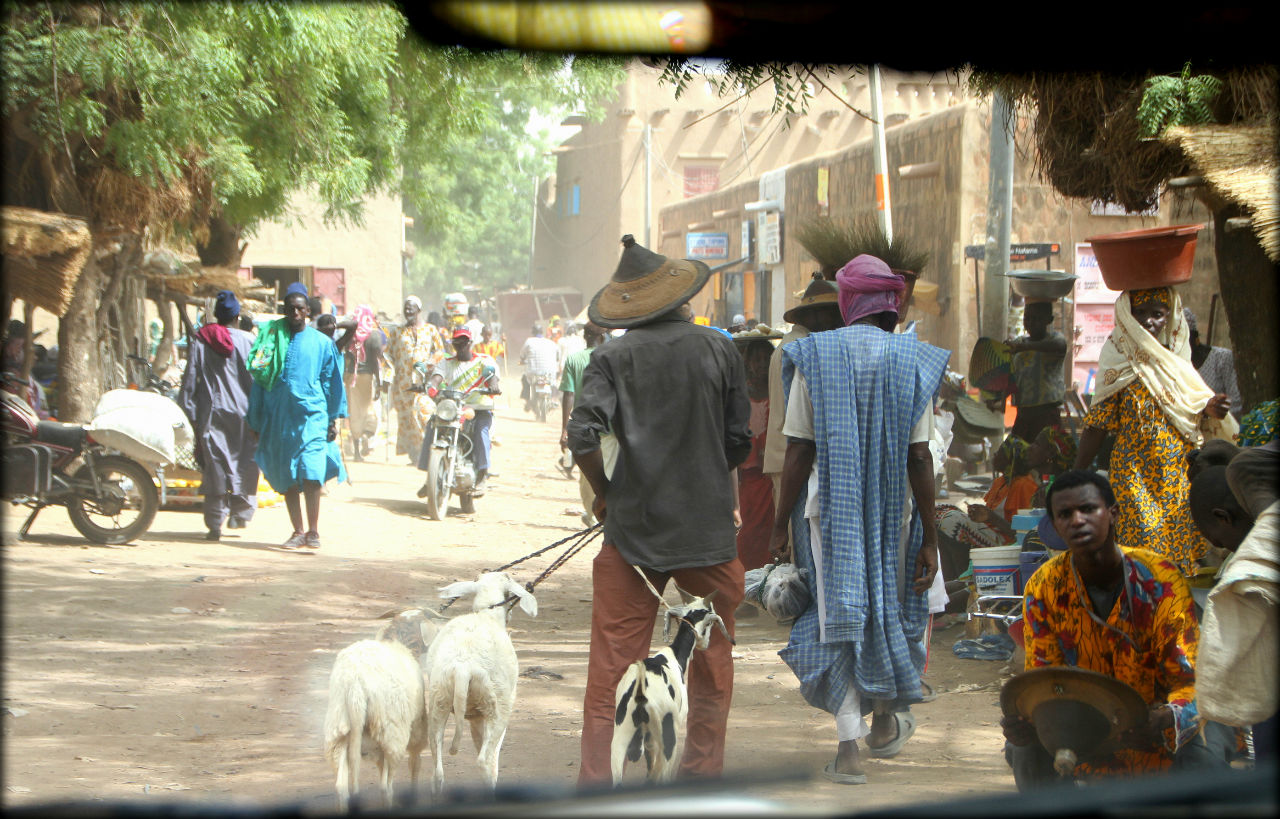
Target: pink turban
x=868, y=286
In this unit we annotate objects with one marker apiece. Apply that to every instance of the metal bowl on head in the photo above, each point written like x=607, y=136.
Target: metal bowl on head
x=1077, y=714
x=1041, y=284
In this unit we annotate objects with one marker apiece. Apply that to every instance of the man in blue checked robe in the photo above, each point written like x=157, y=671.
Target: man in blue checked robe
x=858, y=423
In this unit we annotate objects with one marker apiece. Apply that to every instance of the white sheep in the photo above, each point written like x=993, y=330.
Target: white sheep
x=376, y=692
x=471, y=672
x=652, y=702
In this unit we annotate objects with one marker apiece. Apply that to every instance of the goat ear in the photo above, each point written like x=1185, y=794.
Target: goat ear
x=666, y=624
x=685, y=597
x=387, y=615
x=459, y=589
x=527, y=603
x=427, y=630
x=706, y=598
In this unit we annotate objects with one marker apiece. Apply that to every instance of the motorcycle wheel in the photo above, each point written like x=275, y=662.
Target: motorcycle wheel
x=438, y=497
x=466, y=504
x=127, y=508
x=540, y=408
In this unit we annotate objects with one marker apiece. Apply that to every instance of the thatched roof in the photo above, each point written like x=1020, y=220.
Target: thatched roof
x=164, y=270
x=1239, y=162
x=43, y=256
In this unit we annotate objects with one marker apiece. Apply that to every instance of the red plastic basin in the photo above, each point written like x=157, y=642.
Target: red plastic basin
x=1142, y=259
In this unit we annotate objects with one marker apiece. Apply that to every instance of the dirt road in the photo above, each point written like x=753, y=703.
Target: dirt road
x=175, y=668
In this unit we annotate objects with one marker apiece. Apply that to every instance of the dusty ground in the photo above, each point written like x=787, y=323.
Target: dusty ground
x=179, y=669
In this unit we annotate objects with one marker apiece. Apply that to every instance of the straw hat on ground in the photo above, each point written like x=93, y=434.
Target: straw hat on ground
x=821, y=294
x=645, y=286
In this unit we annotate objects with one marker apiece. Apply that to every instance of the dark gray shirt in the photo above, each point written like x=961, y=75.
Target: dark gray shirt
x=674, y=394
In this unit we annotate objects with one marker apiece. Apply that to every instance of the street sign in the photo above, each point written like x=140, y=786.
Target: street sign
x=706, y=245
x=1022, y=252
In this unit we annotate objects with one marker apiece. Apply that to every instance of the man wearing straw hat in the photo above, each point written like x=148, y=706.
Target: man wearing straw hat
x=674, y=395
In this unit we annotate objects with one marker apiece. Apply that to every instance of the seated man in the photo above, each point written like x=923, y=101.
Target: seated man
x=1118, y=610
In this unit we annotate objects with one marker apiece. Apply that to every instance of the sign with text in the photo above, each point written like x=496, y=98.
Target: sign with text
x=706, y=245
x=1021, y=252
x=769, y=237
x=1090, y=289
x=1093, y=323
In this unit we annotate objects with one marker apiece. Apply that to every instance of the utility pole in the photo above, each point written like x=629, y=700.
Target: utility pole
x=883, y=207
x=994, y=309
x=648, y=187
x=533, y=229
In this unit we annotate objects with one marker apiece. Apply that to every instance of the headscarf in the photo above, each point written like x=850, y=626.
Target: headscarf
x=1162, y=364
x=296, y=288
x=1014, y=450
x=366, y=323
x=867, y=287
x=1061, y=446
x=1191, y=320
x=414, y=300
x=226, y=306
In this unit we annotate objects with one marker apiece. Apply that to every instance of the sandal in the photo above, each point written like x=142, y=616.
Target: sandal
x=927, y=693
x=843, y=778
x=906, y=727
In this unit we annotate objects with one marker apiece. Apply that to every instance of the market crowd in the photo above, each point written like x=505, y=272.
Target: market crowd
x=825, y=448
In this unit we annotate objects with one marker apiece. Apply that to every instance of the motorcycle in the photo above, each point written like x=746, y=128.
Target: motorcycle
x=451, y=441
x=109, y=497
x=542, y=391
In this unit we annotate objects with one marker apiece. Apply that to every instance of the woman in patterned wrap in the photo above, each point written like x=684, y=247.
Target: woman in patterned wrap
x=1159, y=408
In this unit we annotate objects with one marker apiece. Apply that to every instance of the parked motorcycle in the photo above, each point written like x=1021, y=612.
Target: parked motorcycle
x=451, y=440
x=109, y=497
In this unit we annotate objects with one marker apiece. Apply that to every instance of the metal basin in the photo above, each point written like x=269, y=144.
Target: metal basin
x=1042, y=284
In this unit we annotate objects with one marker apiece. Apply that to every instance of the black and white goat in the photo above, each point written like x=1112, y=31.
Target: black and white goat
x=652, y=700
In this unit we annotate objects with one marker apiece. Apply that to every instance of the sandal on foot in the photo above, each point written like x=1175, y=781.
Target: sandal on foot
x=296, y=541
x=906, y=727
x=833, y=775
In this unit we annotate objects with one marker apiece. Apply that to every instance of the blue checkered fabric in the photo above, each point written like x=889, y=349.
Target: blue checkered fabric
x=868, y=388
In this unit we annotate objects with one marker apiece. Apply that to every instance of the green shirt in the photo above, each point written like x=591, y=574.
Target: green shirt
x=571, y=380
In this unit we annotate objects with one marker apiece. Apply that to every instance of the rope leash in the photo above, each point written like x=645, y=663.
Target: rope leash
x=582, y=538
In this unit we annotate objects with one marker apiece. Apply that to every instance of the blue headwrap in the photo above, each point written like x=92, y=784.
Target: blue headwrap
x=226, y=307
x=296, y=287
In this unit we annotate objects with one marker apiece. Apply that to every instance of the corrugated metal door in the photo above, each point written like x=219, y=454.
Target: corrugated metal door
x=331, y=282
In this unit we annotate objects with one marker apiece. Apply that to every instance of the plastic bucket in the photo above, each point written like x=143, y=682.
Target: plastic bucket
x=995, y=570
x=1028, y=562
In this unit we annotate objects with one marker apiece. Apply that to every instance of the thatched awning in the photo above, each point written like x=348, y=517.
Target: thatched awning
x=166, y=272
x=1240, y=163
x=43, y=256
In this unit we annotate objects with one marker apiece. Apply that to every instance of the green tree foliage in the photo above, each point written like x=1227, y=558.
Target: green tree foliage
x=793, y=84
x=471, y=192
x=199, y=110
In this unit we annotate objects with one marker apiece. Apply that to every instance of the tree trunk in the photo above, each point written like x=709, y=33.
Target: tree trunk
x=223, y=248
x=1248, y=282
x=164, y=350
x=79, y=369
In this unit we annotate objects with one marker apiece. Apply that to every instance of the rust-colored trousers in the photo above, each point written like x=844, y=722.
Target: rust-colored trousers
x=623, y=613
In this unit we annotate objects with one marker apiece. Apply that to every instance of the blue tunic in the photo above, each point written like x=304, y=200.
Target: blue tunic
x=292, y=418
x=868, y=389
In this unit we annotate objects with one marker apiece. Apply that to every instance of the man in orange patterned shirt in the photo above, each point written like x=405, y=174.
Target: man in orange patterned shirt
x=1120, y=611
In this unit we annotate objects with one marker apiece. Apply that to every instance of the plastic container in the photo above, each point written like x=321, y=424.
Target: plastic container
x=1028, y=562
x=995, y=570
x=1142, y=259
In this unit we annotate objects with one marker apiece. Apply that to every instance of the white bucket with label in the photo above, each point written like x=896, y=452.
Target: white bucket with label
x=995, y=570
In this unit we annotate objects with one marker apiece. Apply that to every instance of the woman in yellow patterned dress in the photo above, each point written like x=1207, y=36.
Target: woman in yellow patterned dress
x=1157, y=406
x=415, y=344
